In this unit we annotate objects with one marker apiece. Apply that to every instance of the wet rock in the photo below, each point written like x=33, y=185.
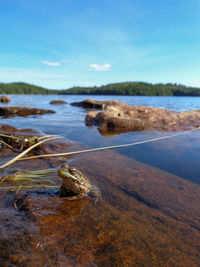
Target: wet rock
x=143, y=219
x=53, y=146
x=7, y=128
x=124, y=118
x=22, y=111
x=16, y=139
x=57, y=102
x=4, y=99
x=90, y=103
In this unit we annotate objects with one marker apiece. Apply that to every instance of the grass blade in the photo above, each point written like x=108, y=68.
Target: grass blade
x=26, y=151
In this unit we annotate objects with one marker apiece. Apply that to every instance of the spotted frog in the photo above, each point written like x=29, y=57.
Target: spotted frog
x=75, y=184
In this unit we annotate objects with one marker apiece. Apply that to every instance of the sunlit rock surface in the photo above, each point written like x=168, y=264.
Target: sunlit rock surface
x=4, y=99
x=146, y=217
x=125, y=118
x=22, y=111
x=90, y=103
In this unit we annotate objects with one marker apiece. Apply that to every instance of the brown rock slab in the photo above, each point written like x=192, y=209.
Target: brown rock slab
x=124, y=118
x=4, y=99
x=143, y=219
x=20, y=241
x=90, y=103
x=57, y=102
x=7, y=128
x=146, y=217
x=22, y=111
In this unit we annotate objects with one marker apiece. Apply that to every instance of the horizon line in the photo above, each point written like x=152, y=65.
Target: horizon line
x=98, y=86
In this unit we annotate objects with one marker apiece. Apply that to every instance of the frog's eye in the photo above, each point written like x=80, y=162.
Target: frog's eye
x=65, y=166
x=72, y=170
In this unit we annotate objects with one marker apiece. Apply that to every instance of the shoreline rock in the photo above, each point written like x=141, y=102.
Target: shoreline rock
x=5, y=99
x=125, y=118
x=57, y=102
x=145, y=212
x=22, y=111
x=90, y=103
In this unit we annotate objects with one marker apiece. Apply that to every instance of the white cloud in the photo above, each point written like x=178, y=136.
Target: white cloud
x=98, y=67
x=50, y=63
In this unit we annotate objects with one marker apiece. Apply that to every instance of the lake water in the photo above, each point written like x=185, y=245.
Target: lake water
x=149, y=211
x=178, y=155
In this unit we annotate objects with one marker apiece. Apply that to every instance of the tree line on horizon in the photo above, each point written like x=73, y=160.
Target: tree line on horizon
x=125, y=88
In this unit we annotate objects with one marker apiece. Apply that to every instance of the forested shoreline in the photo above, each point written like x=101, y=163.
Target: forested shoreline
x=125, y=88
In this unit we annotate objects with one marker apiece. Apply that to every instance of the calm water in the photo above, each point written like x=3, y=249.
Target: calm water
x=146, y=216
x=178, y=155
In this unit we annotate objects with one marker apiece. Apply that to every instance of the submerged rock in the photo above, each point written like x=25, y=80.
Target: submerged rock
x=4, y=99
x=22, y=111
x=90, y=103
x=6, y=127
x=56, y=102
x=144, y=219
x=124, y=118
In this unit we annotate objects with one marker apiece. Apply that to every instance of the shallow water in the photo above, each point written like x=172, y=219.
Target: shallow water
x=149, y=214
x=177, y=155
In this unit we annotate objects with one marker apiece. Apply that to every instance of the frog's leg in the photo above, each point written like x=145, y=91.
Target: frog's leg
x=81, y=195
x=96, y=194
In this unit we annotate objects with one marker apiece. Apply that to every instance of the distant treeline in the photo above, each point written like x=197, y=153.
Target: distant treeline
x=24, y=88
x=137, y=89
x=126, y=88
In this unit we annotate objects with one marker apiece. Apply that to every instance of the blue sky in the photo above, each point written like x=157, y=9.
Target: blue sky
x=65, y=43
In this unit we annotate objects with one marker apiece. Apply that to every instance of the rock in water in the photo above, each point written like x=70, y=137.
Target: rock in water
x=125, y=118
x=57, y=102
x=22, y=111
x=4, y=99
x=90, y=103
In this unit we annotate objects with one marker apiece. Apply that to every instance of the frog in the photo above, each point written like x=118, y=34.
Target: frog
x=76, y=185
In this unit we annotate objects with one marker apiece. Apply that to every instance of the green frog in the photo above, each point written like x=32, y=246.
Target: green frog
x=75, y=184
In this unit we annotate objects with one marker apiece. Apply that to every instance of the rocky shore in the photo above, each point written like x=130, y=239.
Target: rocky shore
x=144, y=216
x=121, y=117
x=4, y=99
x=94, y=104
x=22, y=111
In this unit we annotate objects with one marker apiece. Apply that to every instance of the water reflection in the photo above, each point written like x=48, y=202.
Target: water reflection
x=177, y=155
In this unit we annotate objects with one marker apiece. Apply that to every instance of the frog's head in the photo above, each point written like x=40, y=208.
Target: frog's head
x=68, y=172
x=64, y=167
